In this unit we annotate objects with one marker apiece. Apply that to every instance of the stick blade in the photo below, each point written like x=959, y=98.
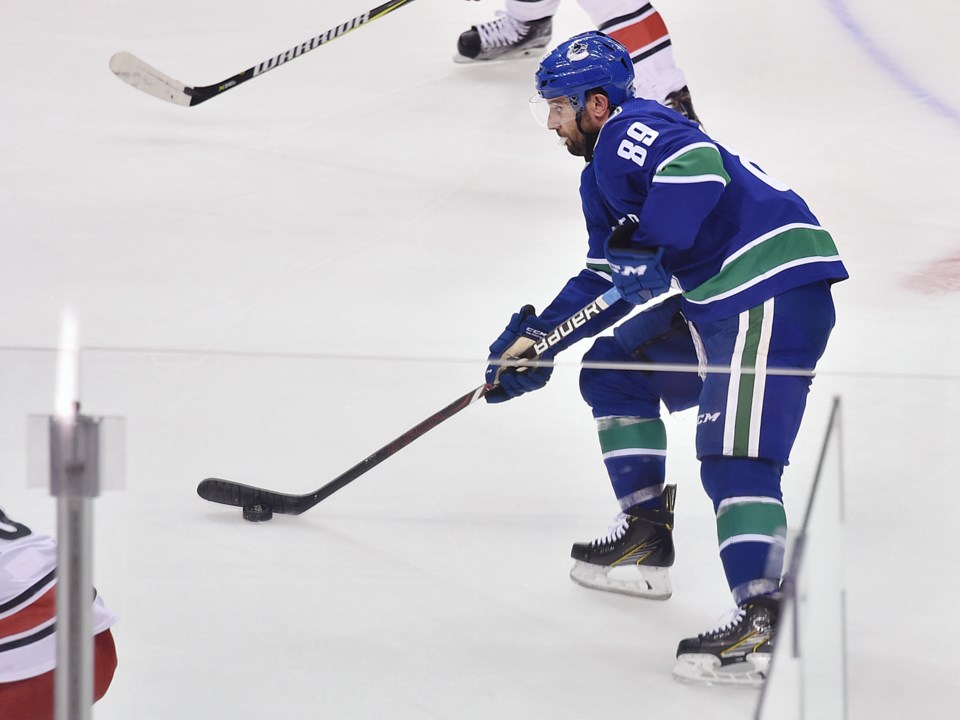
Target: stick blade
x=227, y=492
x=146, y=78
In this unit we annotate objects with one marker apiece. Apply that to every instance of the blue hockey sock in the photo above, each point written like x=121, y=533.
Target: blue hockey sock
x=751, y=522
x=634, y=452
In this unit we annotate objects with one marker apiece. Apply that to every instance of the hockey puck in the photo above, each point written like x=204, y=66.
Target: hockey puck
x=257, y=513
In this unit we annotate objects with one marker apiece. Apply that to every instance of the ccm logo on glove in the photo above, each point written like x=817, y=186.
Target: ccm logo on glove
x=637, y=272
x=627, y=270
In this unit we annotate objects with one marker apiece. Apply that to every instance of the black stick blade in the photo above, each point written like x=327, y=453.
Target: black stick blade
x=227, y=492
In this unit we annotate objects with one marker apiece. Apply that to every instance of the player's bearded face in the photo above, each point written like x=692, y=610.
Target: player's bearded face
x=562, y=119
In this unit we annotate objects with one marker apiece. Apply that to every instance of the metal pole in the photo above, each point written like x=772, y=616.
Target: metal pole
x=74, y=481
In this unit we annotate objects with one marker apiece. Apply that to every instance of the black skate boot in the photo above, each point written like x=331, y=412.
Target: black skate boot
x=737, y=653
x=680, y=101
x=640, y=542
x=503, y=38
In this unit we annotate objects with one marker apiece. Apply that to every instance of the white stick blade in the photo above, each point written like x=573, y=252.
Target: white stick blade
x=134, y=71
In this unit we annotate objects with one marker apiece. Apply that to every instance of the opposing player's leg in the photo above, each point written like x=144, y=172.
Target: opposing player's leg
x=748, y=422
x=523, y=29
x=633, y=556
x=639, y=27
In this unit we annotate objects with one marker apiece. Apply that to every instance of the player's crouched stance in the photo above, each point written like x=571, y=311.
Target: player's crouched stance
x=665, y=203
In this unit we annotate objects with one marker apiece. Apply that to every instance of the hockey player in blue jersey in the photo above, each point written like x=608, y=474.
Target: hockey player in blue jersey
x=667, y=208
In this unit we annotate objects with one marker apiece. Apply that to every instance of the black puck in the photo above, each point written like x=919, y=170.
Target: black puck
x=257, y=513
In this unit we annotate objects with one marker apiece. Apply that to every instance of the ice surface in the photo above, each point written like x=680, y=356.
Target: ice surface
x=275, y=283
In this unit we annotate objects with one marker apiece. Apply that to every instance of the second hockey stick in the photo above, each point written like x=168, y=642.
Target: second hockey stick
x=263, y=503
x=135, y=72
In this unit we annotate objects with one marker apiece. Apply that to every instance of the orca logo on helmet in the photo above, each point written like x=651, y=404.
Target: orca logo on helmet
x=577, y=51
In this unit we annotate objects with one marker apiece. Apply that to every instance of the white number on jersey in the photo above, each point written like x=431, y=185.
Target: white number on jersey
x=642, y=137
x=758, y=173
x=10, y=530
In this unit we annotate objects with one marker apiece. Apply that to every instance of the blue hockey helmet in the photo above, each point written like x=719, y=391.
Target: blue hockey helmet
x=586, y=62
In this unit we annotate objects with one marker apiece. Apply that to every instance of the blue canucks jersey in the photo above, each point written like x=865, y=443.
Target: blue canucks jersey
x=732, y=236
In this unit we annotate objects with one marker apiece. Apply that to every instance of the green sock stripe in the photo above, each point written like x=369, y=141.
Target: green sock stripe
x=741, y=433
x=648, y=435
x=750, y=518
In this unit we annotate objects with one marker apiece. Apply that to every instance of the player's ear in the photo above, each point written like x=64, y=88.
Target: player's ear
x=598, y=105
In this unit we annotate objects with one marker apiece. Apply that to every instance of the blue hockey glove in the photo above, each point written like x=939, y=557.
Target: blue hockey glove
x=523, y=330
x=637, y=273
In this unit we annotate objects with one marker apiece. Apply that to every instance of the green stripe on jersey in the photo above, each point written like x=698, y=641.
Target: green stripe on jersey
x=702, y=160
x=751, y=518
x=628, y=433
x=748, y=380
x=786, y=247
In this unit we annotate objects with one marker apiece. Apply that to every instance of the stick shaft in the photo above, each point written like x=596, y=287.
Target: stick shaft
x=396, y=445
x=135, y=72
x=227, y=492
x=200, y=94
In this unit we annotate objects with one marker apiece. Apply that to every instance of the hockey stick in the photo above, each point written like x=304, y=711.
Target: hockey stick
x=134, y=71
x=227, y=492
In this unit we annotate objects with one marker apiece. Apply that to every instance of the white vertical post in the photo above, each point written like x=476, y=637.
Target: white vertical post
x=74, y=481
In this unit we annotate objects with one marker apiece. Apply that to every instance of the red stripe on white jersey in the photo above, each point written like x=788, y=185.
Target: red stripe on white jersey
x=36, y=611
x=638, y=33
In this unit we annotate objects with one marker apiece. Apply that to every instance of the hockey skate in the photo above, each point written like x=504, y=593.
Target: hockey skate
x=737, y=653
x=633, y=557
x=680, y=101
x=503, y=38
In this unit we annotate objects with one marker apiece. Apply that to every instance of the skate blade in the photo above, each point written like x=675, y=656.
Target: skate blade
x=527, y=52
x=707, y=670
x=650, y=583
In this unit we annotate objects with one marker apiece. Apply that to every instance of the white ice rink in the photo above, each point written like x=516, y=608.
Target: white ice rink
x=275, y=283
